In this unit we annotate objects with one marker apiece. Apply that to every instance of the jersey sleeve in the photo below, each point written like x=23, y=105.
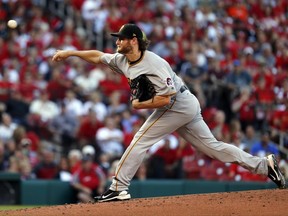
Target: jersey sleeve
x=111, y=61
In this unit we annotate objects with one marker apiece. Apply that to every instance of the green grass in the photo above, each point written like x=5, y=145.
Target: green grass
x=14, y=207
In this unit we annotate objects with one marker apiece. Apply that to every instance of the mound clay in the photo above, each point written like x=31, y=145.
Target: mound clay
x=254, y=202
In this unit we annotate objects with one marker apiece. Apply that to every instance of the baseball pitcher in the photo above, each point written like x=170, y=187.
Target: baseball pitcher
x=154, y=85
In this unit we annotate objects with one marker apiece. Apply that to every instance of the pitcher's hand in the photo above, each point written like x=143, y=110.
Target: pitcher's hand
x=60, y=55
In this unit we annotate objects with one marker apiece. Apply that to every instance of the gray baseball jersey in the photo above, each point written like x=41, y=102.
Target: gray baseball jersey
x=183, y=115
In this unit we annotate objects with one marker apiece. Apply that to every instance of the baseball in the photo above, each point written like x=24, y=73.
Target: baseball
x=12, y=24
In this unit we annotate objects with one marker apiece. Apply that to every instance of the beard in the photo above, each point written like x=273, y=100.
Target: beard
x=125, y=50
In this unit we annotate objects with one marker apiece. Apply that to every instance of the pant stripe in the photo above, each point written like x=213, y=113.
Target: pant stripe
x=124, y=159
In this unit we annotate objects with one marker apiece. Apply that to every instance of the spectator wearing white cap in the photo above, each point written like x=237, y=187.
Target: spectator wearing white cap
x=110, y=138
x=88, y=150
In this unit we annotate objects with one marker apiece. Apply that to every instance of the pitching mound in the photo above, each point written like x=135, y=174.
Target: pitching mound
x=256, y=202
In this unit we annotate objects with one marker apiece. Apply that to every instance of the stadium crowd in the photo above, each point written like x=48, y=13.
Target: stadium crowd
x=66, y=120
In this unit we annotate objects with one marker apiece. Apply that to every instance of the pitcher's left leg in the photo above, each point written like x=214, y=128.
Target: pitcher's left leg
x=200, y=136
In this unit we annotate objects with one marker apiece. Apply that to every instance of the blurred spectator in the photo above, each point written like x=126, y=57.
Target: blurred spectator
x=7, y=127
x=89, y=180
x=10, y=148
x=89, y=11
x=218, y=126
x=43, y=109
x=17, y=107
x=19, y=163
x=22, y=133
x=250, y=136
x=235, y=128
x=279, y=125
x=249, y=62
x=74, y=159
x=112, y=83
x=238, y=78
x=64, y=173
x=237, y=141
x=282, y=95
x=281, y=54
x=280, y=118
x=128, y=120
x=115, y=19
x=72, y=104
x=57, y=85
x=28, y=88
x=193, y=165
x=69, y=31
x=41, y=112
x=184, y=152
x=238, y=10
x=4, y=160
x=95, y=103
x=104, y=162
x=47, y=168
x=264, y=103
x=5, y=85
x=89, y=125
x=214, y=86
x=244, y=107
x=110, y=138
x=190, y=71
x=264, y=72
x=115, y=106
x=84, y=80
x=63, y=127
x=265, y=146
x=184, y=149
x=173, y=140
x=164, y=163
x=12, y=72
x=264, y=95
x=266, y=55
x=28, y=142
x=97, y=73
x=129, y=134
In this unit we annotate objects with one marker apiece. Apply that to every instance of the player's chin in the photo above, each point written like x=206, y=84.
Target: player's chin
x=119, y=50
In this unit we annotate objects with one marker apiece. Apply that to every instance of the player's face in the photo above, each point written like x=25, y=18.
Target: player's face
x=124, y=46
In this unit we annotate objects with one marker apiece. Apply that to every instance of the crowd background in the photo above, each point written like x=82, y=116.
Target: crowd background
x=72, y=120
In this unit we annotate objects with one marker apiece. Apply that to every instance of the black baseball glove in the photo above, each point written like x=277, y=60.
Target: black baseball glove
x=142, y=88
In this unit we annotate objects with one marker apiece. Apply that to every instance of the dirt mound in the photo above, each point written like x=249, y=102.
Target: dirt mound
x=253, y=202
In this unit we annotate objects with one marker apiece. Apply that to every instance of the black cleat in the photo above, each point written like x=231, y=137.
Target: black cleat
x=274, y=173
x=110, y=195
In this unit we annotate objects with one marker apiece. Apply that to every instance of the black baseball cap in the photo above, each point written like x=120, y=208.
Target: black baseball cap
x=129, y=31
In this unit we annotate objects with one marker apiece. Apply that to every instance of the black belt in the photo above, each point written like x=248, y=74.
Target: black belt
x=183, y=88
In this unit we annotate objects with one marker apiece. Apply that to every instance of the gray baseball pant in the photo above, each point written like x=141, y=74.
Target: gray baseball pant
x=184, y=116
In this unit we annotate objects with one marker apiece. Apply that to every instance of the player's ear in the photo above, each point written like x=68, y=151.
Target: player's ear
x=134, y=40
